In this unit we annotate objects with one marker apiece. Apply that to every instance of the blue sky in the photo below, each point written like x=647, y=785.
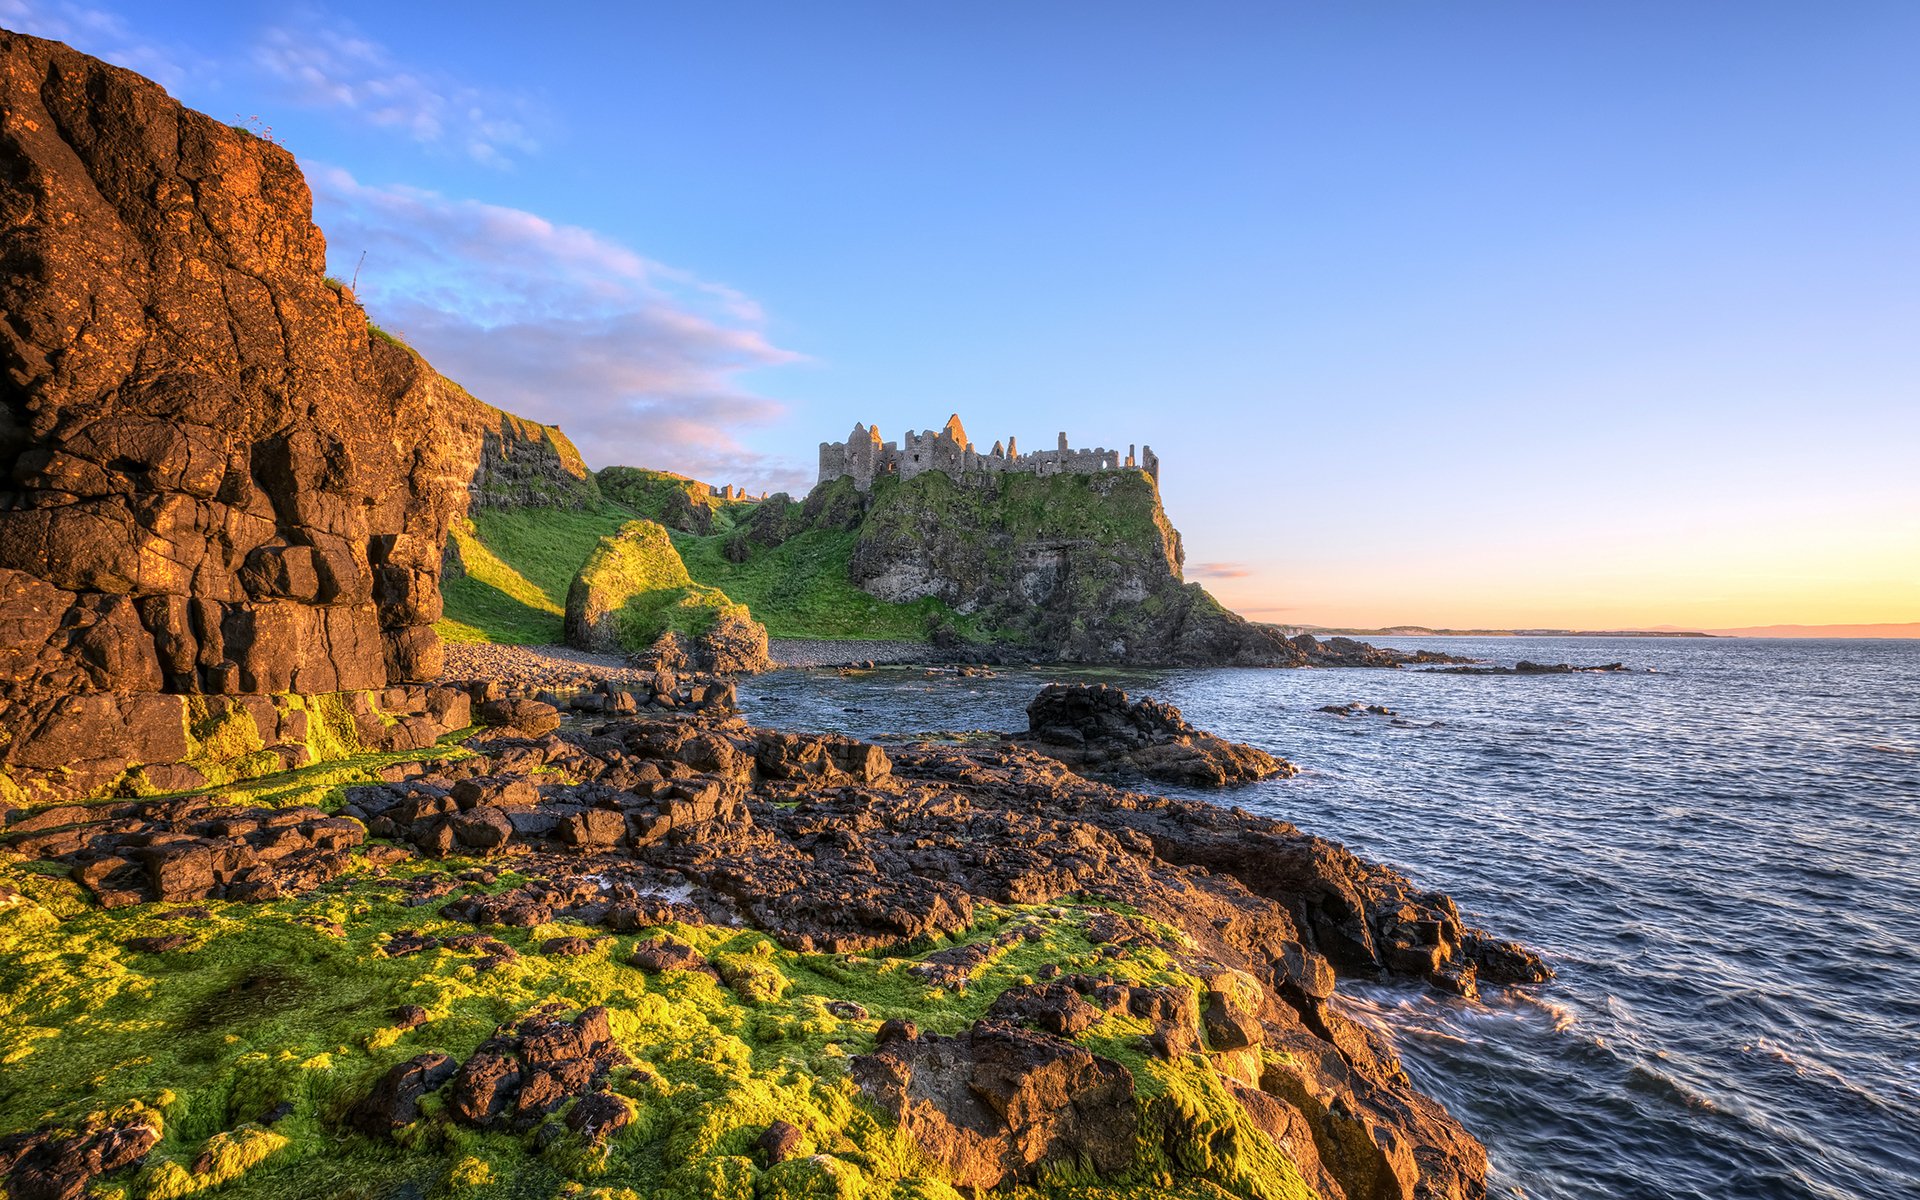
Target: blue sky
x=1458, y=313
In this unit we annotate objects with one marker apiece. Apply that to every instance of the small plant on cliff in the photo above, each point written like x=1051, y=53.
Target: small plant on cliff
x=386, y=337
x=258, y=128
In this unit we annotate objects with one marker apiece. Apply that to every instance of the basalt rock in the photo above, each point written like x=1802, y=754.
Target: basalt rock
x=215, y=476
x=190, y=849
x=999, y=1104
x=1097, y=730
x=44, y=1165
x=204, y=487
x=513, y=1080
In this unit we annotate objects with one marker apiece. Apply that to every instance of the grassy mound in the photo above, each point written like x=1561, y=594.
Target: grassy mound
x=290, y=1003
x=634, y=587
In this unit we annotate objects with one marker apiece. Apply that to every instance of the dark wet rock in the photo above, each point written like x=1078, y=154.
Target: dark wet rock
x=160, y=944
x=528, y=718
x=481, y=828
x=394, y=1102
x=1099, y=731
x=597, y=1116
x=566, y=947
x=780, y=1141
x=484, y=1087
x=1054, y=1008
x=655, y=955
x=1354, y=708
x=896, y=1029
x=44, y=1165
x=182, y=850
x=1532, y=668
x=409, y=1016
x=493, y=791
x=515, y=1079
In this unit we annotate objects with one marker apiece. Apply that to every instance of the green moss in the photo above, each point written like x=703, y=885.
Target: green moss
x=271, y=1006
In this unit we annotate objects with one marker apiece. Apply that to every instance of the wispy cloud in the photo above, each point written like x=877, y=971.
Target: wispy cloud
x=638, y=362
x=1219, y=570
x=328, y=64
x=105, y=35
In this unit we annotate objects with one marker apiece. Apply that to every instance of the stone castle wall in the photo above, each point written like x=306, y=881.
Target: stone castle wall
x=864, y=457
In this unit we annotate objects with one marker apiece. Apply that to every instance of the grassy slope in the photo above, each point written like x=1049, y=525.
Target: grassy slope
x=520, y=562
x=663, y=495
x=800, y=589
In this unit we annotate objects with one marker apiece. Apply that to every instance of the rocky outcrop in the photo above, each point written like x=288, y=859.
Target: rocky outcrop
x=189, y=849
x=634, y=595
x=673, y=500
x=999, y=1105
x=1098, y=731
x=210, y=483
x=215, y=477
x=45, y=1165
x=659, y=830
x=1064, y=568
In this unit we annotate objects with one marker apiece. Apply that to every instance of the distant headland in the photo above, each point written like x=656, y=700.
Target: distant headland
x=1424, y=631
x=1896, y=629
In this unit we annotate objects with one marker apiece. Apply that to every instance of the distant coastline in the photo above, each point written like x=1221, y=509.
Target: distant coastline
x=1906, y=629
x=1424, y=631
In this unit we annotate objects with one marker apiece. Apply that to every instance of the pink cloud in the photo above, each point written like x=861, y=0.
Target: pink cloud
x=638, y=362
x=1219, y=570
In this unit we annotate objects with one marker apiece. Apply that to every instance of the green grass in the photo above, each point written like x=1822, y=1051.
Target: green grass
x=673, y=500
x=519, y=563
x=386, y=337
x=801, y=589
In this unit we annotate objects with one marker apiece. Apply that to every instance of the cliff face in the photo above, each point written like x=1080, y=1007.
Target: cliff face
x=213, y=478
x=1076, y=568
x=526, y=464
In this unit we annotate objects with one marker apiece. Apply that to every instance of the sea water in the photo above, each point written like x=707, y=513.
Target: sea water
x=1719, y=853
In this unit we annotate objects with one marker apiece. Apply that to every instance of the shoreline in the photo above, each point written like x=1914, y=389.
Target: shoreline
x=990, y=917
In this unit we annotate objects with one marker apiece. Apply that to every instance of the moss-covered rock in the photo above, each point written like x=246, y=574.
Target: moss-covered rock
x=634, y=590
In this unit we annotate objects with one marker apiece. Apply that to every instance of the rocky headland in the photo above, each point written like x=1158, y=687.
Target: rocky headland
x=293, y=904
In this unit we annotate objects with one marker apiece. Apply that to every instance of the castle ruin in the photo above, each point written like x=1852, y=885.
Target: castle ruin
x=864, y=457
